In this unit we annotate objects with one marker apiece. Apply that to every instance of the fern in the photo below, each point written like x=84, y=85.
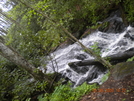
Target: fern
x=66, y=93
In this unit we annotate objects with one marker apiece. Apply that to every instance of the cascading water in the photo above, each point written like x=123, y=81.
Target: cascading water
x=109, y=43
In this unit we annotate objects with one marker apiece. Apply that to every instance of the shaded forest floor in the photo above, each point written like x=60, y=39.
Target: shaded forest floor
x=113, y=90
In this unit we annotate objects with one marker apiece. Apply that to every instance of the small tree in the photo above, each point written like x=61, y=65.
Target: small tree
x=13, y=56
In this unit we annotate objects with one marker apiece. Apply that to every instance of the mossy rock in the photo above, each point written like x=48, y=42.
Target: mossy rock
x=122, y=70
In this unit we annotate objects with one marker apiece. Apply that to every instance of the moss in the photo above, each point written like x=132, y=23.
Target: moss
x=123, y=69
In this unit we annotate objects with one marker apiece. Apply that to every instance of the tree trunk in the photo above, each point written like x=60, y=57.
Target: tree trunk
x=3, y=31
x=12, y=20
x=13, y=56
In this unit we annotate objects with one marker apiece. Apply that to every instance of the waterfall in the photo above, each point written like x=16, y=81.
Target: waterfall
x=108, y=43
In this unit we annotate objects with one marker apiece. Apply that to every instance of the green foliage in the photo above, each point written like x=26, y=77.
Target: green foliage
x=28, y=99
x=95, y=48
x=130, y=59
x=124, y=99
x=129, y=9
x=35, y=36
x=65, y=93
x=105, y=77
x=24, y=90
x=16, y=84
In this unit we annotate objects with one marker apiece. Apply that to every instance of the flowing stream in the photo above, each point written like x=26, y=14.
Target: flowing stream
x=108, y=43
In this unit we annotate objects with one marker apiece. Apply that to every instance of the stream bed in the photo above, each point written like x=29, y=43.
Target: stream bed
x=107, y=43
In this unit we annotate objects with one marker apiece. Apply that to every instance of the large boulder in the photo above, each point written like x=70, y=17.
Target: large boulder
x=122, y=70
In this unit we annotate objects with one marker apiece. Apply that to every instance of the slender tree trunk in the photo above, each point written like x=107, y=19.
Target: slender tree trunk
x=13, y=56
x=97, y=57
x=123, y=14
x=3, y=31
x=11, y=19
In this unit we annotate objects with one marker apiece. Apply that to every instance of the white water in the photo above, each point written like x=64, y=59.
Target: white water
x=110, y=43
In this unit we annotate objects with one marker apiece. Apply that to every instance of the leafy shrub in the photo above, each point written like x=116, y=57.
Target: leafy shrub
x=66, y=93
x=95, y=48
x=15, y=83
x=105, y=77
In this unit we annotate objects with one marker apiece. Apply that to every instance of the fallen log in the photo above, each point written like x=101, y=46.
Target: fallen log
x=121, y=57
x=113, y=59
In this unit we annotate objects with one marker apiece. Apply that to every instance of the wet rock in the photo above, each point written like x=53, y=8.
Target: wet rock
x=90, y=76
x=79, y=69
x=92, y=70
x=130, y=50
x=84, y=63
x=113, y=24
x=93, y=73
x=122, y=43
x=130, y=34
x=131, y=24
x=122, y=70
x=80, y=56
